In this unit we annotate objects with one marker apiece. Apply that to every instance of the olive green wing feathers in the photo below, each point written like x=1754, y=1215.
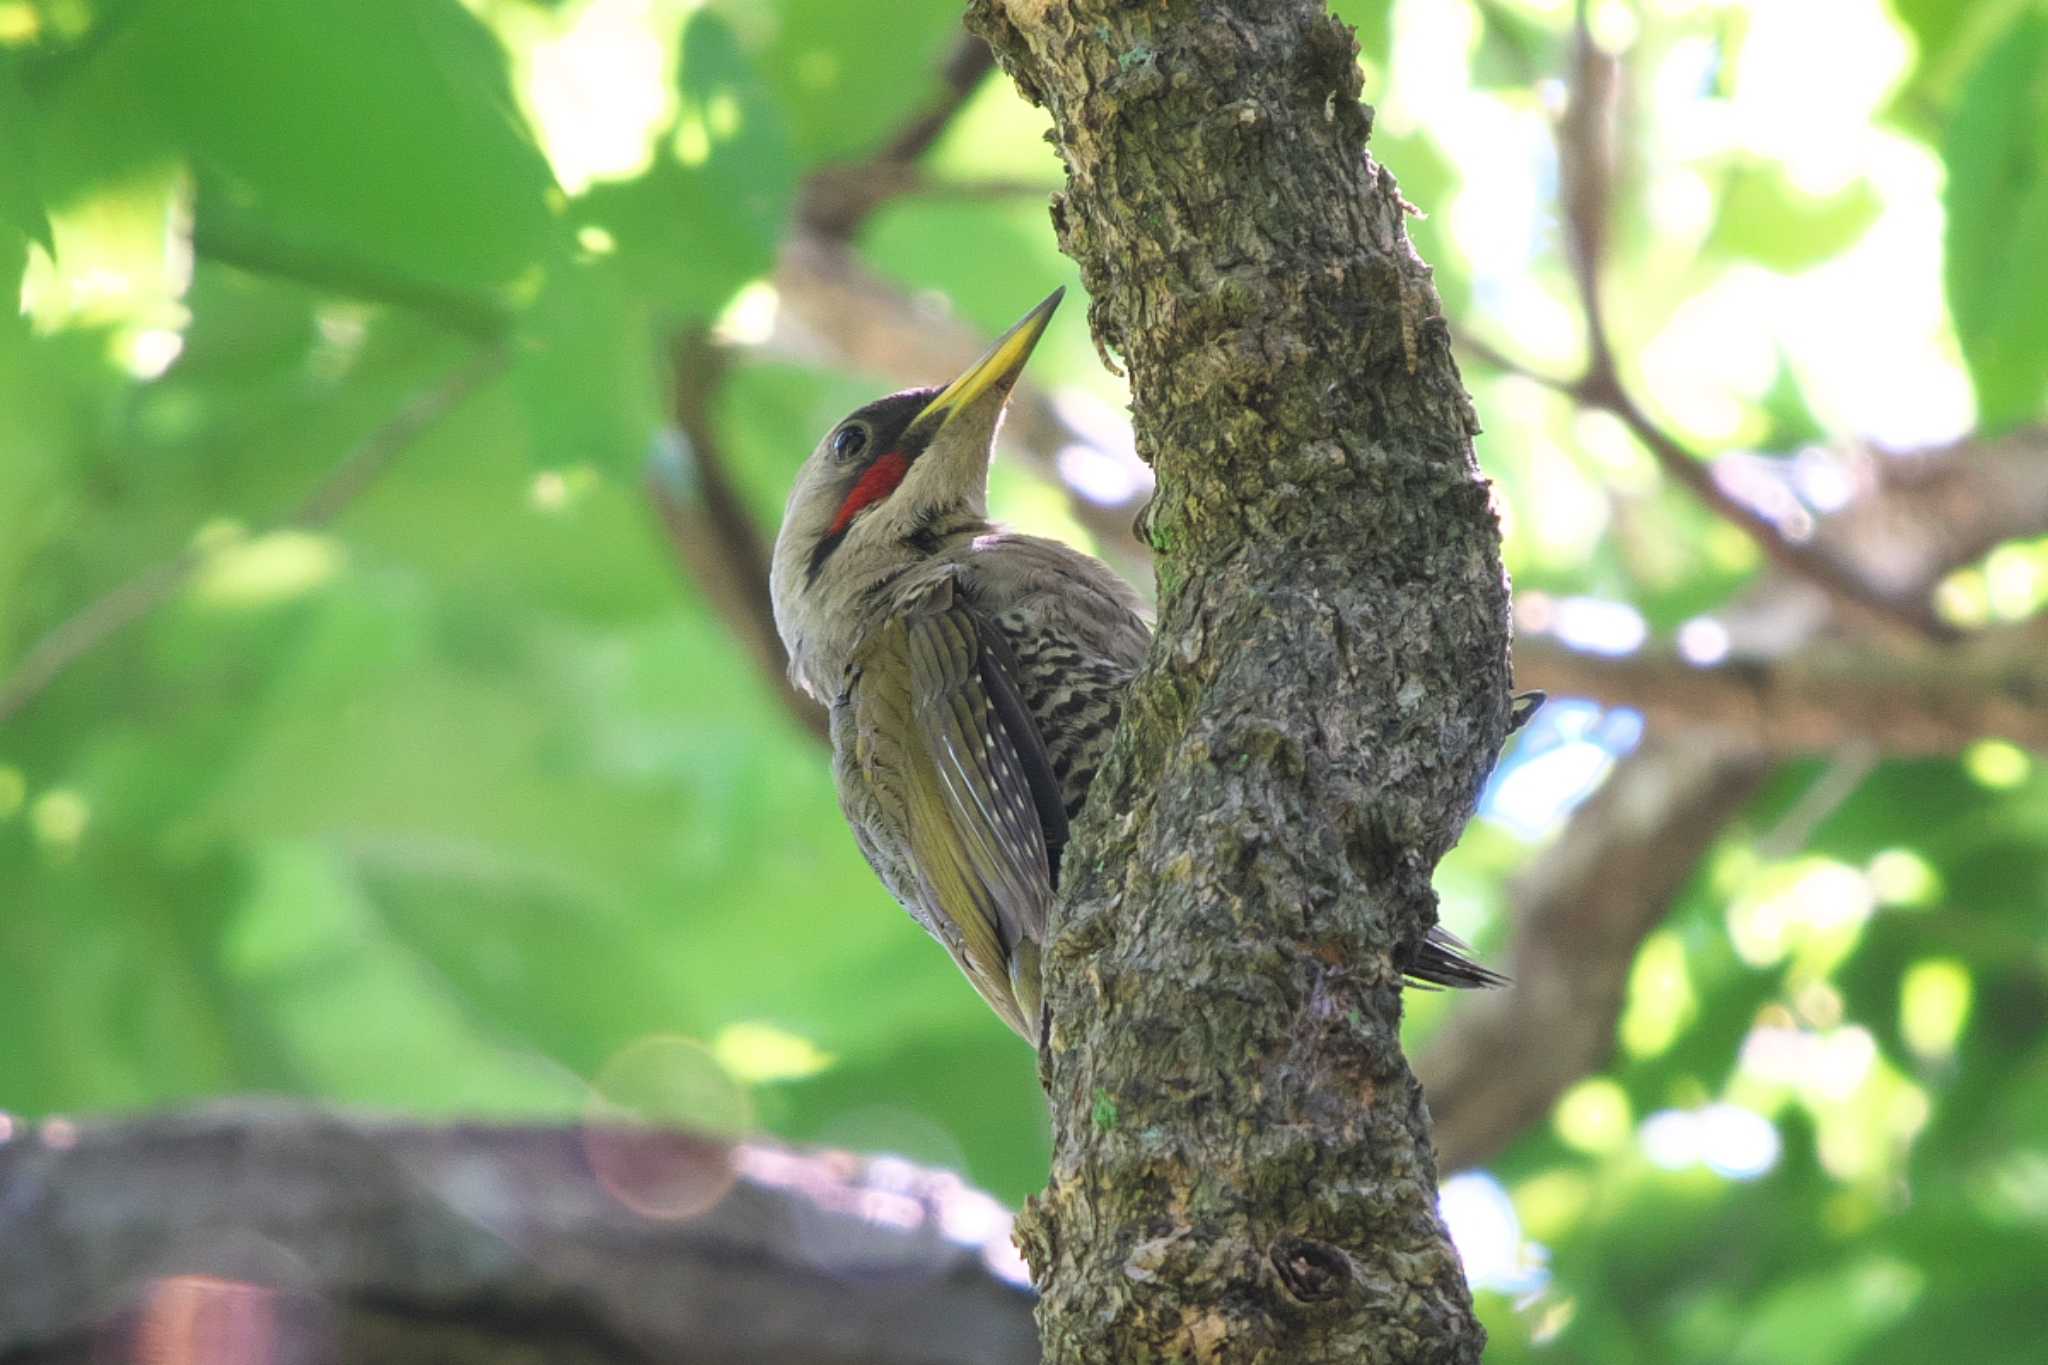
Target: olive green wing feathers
x=958, y=780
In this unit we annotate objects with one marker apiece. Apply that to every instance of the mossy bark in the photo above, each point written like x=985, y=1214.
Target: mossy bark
x=1242, y=1165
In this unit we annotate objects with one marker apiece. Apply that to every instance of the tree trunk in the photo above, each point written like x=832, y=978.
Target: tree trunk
x=1242, y=1165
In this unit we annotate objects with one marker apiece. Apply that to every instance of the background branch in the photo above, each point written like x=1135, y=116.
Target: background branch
x=140, y=594
x=301, y=1235
x=709, y=529
x=1823, y=695
x=1580, y=914
x=1586, y=152
x=834, y=201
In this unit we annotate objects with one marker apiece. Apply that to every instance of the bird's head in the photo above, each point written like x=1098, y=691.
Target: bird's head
x=881, y=485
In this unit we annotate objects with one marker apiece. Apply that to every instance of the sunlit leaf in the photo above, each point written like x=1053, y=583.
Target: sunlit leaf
x=1997, y=200
x=1764, y=218
x=845, y=75
x=705, y=217
x=381, y=130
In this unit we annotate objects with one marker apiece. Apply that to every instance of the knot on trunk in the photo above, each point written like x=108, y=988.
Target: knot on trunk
x=1312, y=1271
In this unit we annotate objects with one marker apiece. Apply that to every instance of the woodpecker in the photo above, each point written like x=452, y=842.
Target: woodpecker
x=975, y=676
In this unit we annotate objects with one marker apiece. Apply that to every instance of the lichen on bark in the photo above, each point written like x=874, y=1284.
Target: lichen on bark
x=1328, y=690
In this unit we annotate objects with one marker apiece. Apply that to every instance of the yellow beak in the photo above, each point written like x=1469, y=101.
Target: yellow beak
x=996, y=371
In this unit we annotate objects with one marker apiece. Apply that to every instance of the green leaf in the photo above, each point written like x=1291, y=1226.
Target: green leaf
x=21, y=198
x=1766, y=219
x=846, y=74
x=586, y=371
x=1515, y=48
x=379, y=129
x=1952, y=39
x=705, y=217
x=1375, y=22
x=1793, y=422
x=1997, y=244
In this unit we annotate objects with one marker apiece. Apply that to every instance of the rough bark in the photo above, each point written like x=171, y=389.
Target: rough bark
x=1242, y=1165
x=261, y=1234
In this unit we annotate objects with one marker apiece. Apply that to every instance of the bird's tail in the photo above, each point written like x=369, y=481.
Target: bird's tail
x=1442, y=960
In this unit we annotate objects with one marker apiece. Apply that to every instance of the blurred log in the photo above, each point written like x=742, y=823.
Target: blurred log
x=258, y=1233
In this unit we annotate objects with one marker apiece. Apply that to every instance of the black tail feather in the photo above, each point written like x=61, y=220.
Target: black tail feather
x=1442, y=960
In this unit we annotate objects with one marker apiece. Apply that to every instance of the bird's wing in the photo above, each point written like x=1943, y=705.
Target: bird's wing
x=941, y=715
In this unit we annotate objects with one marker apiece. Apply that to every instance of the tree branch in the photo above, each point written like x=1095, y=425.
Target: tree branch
x=135, y=598
x=709, y=529
x=1252, y=1178
x=262, y=1233
x=1823, y=695
x=1580, y=916
x=834, y=201
x=1586, y=162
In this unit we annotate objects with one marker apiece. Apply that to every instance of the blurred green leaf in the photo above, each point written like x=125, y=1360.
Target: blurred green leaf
x=1997, y=244
x=1515, y=46
x=1764, y=218
x=378, y=129
x=1951, y=40
x=586, y=370
x=1792, y=418
x=705, y=217
x=846, y=75
x=21, y=196
x=1374, y=20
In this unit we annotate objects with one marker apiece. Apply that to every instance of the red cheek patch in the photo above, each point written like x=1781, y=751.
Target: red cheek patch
x=877, y=482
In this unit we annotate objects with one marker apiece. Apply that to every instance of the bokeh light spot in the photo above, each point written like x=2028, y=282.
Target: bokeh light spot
x=1703, y=641
x=755, y=1051
x=1934, y=1004
x=1899, y=876
x=268, y=569
x=1661, y=1001
x=1737, y=1143
x=59, y=818
x=146, y=352
x=659, y=1124
x=1996, y=764
x=1670, y=1139
x=1551, y=1204
x=597, y=87
x=693, y=142
x=1594, y=1116
x=749, y=320
x=1488, y=1234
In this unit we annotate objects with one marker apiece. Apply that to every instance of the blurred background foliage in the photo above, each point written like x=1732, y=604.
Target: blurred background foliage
x=361, y=740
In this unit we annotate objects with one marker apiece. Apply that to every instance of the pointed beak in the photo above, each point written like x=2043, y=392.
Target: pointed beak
x=993, y=376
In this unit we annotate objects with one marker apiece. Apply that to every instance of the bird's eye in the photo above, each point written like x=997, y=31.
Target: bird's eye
x=849, y=441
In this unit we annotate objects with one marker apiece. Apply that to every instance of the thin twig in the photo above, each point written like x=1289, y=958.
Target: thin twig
x=132, y=600
x=1586, y=140
x=1823, y=797
x=1586, y=137
x=469, y=312
x=712, y=535
x=834, y=201
x=1809, y=561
